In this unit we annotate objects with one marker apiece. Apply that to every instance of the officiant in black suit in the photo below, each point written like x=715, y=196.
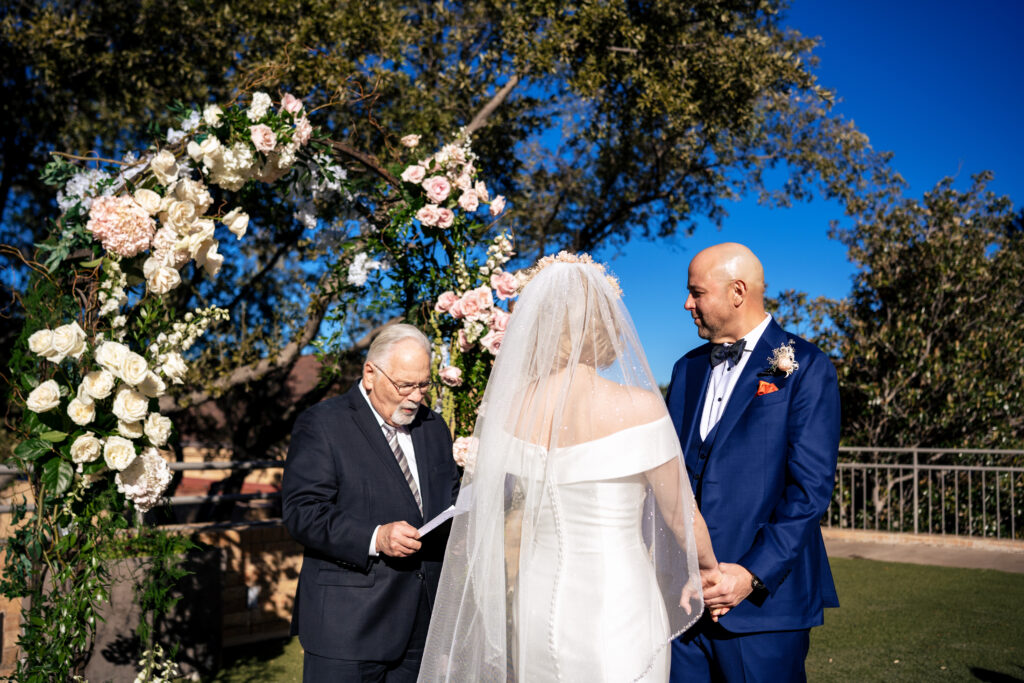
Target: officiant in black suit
x=364, y=471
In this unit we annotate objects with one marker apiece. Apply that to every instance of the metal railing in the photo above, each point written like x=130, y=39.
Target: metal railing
x=958, y=492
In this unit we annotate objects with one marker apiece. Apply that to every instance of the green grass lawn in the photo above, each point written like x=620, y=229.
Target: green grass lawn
x=898, y=622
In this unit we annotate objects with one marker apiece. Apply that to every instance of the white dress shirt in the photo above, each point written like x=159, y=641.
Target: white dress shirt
x=723, y=380
x=405, y=441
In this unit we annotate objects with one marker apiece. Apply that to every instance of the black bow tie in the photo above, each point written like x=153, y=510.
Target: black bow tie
x=721, y=352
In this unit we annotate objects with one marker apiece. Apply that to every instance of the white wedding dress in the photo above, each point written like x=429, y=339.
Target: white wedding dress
x=594, y=612
x=577, y=559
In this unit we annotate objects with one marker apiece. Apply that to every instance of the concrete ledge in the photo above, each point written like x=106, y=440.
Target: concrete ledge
x=929, y=549
x=867, y=536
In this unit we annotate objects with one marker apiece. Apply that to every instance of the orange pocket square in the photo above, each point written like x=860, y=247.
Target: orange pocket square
x=765, y=388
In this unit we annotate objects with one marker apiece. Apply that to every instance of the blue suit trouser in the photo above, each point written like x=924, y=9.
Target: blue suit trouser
x=708, y=652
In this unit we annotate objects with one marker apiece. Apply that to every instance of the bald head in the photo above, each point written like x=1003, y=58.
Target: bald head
x=726, y=285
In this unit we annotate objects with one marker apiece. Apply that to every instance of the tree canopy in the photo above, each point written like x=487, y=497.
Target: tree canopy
x=601, y=122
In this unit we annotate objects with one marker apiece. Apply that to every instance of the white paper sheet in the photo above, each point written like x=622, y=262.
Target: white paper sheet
x=462, y=504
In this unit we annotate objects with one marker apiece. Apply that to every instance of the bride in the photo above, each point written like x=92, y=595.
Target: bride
x=581, y=555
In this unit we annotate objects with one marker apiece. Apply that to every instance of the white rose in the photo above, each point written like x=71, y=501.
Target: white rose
x=80, y=412
x=209, y=259
x=158, y=429
x=410, y=141
x=130, y=405
x=98, y=384
x=237, y=222
x=110, y=356
x=193, y=191
x=148, y=200
x=152, y=386
x=118, y=452
x=41, y=343
x=211, y=151
x=68, y=340
x=180, y=215
x=163, y=280
x=212, y=115
x=134, y=368
x=44, y=397
x=192, y=149
x=129, y=430
x=174, y=367
x=86, y=448
x=164, y=167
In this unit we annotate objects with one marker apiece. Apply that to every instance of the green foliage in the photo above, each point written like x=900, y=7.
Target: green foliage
x=925, y=343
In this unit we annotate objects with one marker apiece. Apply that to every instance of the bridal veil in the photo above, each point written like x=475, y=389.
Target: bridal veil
x=569, y=398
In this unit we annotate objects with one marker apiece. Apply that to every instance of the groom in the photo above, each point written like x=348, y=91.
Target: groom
x=757, y=412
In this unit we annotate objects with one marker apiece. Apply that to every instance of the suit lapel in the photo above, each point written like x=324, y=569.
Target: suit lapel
x=746, y=386
x=698, y=372
x=367, y=422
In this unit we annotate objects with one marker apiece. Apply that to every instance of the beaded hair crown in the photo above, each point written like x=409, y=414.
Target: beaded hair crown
x=567, y=257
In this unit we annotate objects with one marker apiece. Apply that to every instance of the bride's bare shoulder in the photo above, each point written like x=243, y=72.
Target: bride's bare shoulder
x=635, y=404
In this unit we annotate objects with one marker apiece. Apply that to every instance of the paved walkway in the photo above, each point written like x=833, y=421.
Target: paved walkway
x=943, y=551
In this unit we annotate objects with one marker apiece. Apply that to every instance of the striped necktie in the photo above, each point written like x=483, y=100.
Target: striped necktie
x=392, y=435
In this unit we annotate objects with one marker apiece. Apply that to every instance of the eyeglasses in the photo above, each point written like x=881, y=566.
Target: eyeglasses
x=404, y=389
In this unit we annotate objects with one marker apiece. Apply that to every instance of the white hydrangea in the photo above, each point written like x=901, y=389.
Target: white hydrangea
x=260, y=104
x=144, y=480
x=82, y=188
x=360, y=269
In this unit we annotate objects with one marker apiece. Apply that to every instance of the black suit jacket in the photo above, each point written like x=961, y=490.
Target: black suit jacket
x=340, y=481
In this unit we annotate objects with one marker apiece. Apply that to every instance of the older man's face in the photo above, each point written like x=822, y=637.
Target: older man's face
x=708, y=300
x=407, y=364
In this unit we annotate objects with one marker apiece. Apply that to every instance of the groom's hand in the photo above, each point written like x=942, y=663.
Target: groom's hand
x=731, y=590
x=398, y=539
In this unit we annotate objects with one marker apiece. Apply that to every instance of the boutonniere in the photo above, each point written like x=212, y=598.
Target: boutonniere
x=783, y=360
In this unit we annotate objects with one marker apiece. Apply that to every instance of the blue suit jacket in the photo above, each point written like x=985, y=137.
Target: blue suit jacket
x=340, y=481
x=765, y=477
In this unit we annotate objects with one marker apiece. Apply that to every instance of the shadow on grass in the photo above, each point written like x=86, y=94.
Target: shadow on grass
x=273, y=660
x=990, y=676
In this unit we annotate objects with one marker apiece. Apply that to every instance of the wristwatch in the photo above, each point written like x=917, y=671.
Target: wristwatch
x=756, y=584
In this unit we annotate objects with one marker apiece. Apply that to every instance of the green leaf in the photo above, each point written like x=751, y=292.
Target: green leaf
x=92, y=264
x=53, y=436
x=57, y=476
x=32, y=449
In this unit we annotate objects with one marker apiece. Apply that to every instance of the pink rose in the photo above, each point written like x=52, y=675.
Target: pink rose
x=481, y=191
x=455, y=310
x=445, y=301
x=291, y=104
x=464, y=452
x=469, y=201
x=464, y=182
x=476, y=301
x=498, y=205
x=464, y=343
x=451, y=376
x=303, y=130
x=263, y=137
x=492, y=341
x=410, y=141
x=428, y=215
x=499, y=320
x=445, y=218
x=414, y=174
x=438, y=188
x=504, y=284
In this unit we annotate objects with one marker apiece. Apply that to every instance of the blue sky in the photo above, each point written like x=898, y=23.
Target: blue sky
x=935, y=82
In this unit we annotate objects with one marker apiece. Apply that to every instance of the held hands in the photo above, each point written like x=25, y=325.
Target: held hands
x=398, y=539
x=731, y=590
x=708, y=577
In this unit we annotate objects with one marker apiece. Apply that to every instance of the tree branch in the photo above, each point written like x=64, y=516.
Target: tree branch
x=481, y=116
